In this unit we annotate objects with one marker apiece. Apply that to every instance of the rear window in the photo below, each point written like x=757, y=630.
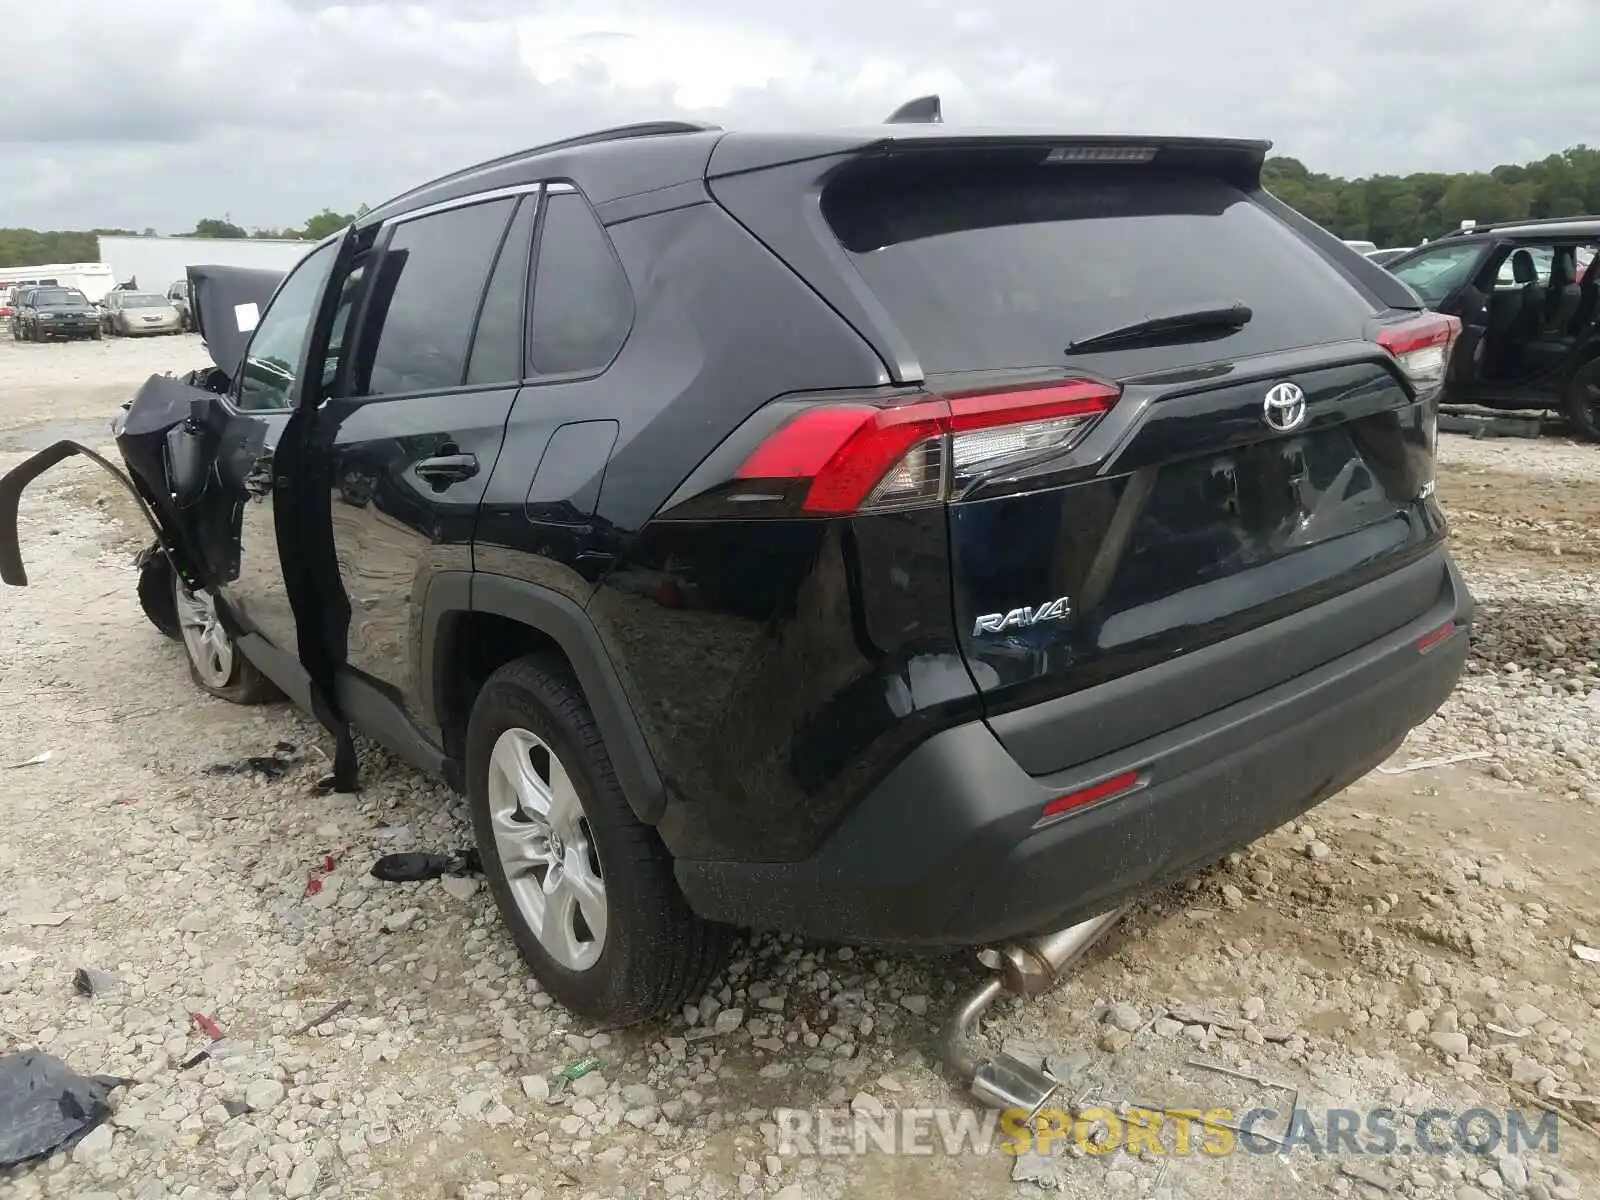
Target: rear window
x=1003, y=267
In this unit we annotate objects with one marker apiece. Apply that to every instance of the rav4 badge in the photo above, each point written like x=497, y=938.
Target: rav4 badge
x=1058, y=609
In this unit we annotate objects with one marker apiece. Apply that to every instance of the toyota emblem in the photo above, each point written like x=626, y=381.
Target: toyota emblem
x=1285, y=407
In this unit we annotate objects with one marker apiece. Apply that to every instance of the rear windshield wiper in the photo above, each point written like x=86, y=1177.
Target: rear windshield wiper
x=1156, y=327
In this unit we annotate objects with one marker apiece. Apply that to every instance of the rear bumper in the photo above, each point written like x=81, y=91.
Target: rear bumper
x=944, y=851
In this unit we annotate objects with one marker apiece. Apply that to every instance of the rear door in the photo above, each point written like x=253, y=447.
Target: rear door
x=1195, y=485
x=404, y=445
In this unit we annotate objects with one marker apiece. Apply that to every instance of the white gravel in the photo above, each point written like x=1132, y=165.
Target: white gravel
x=1410, y=946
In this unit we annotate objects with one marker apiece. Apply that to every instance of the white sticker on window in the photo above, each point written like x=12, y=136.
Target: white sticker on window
x=247, y=316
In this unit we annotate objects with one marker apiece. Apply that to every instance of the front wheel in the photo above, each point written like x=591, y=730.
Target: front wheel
x=1582, y=401
x=585, y=888
x=216, y=663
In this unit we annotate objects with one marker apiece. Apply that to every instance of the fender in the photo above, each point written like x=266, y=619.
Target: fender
x=564, y=621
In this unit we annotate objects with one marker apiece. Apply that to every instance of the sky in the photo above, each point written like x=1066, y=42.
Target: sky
x=155, y=113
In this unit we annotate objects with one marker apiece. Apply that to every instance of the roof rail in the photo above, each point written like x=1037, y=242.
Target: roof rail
x=615, y=134
x=1489, y=226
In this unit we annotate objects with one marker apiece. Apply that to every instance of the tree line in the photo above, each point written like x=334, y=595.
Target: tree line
x=1391, y=210
x=1401, y=210
x=32, y=247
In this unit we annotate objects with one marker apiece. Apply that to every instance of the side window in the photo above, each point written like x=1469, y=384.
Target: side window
x=430, y=280
x=339, y=335
x=582, y=306
x=1588, y=263
x=1506, y=278
x=274, y=354
x=497, y=344
x=1434, y=274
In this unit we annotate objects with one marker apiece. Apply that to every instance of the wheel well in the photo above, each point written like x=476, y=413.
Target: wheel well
x=473, y=647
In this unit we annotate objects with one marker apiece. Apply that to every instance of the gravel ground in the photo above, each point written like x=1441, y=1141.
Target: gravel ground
x=1411, y=947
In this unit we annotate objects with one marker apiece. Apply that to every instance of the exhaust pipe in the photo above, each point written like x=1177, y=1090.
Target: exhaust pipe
x=1028, y=969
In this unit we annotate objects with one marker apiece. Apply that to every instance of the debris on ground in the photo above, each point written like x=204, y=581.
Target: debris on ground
x=416, y=866
x=46, y=1106
x=568, y=1078
x=207, y=1026
x=91, y=981
x=323, y=1019
x=268, y=766
x=35, y=761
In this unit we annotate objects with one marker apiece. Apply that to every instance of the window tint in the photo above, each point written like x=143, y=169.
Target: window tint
x=582, y=307
x=280, y=338
x=426, y=296
x=986, y=266
x=1434, y=274
x=497, y=344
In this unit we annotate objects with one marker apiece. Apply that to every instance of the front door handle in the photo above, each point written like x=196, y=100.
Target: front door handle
x=448, y=468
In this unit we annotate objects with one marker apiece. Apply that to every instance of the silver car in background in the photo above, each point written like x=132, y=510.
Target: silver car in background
x=133, y=313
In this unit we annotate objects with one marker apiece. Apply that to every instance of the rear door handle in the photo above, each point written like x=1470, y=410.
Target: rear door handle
x=448, y=468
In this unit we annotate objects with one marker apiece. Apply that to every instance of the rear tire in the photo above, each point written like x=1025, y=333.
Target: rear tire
x=216, y=664
x=1581, y=401
x=584, y=887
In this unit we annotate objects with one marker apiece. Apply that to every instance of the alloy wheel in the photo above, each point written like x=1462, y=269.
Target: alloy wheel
x=209, y=646
x=546, y=850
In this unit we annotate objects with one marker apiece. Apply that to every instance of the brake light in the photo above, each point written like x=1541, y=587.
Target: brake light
x=1421, y=346
x=861, y=458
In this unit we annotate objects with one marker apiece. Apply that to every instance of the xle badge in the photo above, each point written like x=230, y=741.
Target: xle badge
x=1058, y=609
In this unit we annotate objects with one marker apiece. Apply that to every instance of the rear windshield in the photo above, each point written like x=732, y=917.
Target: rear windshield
x=1003, y=267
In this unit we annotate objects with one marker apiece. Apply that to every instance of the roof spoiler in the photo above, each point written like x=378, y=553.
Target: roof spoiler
x=1238, y=161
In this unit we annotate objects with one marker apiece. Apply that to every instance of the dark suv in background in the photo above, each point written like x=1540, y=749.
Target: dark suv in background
x=908, y=535
x=1527, y=294
x=46, y=313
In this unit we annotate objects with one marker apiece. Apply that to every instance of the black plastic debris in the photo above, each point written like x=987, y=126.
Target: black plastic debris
x=269, y=766
x=414, y=867
x=90, y=981
x=46, y=1106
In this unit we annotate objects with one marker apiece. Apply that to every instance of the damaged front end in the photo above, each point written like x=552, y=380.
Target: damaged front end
x=191, y=461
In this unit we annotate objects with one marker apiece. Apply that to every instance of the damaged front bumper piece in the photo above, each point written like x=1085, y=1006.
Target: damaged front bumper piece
x=1027, y=969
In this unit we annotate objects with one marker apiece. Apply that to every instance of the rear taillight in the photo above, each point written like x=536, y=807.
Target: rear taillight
x=862, y=458
x=1421, y=346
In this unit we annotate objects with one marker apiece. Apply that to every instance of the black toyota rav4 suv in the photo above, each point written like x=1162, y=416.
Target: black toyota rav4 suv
x=904, y=535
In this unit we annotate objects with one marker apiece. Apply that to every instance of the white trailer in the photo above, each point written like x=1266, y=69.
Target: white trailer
x=153, y=264
x=92, y=279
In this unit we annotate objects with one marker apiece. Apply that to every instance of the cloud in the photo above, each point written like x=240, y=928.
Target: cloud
x=267, y=110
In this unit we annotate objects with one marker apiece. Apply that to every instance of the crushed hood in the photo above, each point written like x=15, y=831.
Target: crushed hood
x=227, y=303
